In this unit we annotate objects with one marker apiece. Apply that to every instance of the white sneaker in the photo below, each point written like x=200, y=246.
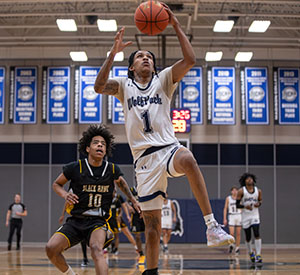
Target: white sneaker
x=216, y=236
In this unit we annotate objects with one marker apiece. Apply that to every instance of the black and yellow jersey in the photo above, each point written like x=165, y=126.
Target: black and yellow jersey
x=116, y=205
x=94, y=187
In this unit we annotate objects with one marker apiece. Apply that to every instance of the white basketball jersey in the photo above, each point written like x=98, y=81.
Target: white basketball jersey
x=147, y=111
x=166, y=213
x=250, y=199
x=232, y=209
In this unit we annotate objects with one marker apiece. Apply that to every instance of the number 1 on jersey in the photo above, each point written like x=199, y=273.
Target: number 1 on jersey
x=147, y=122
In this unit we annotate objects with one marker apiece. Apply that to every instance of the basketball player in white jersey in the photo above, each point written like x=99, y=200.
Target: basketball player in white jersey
x=168, y=218
x=249, y=198
x=234, y=221
x=146, y=99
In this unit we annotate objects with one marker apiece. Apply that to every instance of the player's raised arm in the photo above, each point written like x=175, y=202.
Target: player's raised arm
x=103, y=85
x=181, y=67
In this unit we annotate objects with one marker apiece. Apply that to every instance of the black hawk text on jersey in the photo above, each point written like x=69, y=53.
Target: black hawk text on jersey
x=94, y=187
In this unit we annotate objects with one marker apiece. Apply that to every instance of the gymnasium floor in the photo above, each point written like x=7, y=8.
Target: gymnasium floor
x=192, y=259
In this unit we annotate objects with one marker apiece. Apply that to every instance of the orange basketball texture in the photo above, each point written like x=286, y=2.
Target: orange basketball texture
x=151, y=18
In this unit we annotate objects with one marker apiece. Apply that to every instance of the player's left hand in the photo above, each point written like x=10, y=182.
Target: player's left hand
x=61, y=219
x=172, y=18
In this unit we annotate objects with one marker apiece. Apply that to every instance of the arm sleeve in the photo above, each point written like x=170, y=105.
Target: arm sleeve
x=238, y=204
x=23, y=206
x=10, y=207
x=166, y=79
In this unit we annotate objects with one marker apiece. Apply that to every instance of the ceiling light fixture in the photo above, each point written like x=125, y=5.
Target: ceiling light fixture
x=66, y=25
x=213, y=56
x=118, y=57
x=79, y=56
x=107, y=25
x=243, y=56
x=259, y=26
x=223, y=25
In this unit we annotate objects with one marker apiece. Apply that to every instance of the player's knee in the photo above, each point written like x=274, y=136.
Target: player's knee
x=187, y=161
x=153, y=233
x=51, y=250
x=96, y=251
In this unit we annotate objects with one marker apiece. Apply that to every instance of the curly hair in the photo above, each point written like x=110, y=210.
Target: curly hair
x=130, y=62
x=93, y=131
x=243, y=178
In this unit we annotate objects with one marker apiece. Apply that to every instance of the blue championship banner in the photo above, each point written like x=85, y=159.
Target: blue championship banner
x=58, y=95
x=190, y=94
x=256, y=95
x=90, y=102
x=222, y=95
x=117, y=108
x=25, y=95
x=2, y=94
x=288, y=95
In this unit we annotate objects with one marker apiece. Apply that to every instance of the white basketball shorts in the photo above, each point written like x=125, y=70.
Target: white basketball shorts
x=152, y=172
x=234, y=220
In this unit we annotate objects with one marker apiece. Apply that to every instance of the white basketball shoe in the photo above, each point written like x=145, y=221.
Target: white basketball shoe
x=216, y=236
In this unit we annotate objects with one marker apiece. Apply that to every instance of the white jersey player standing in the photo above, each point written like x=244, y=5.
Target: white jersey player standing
x=168, y=218
x=146, y=98
x=249, y=198
x=234, y=220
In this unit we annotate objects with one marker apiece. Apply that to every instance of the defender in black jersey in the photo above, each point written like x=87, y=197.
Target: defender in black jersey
x=137, y=225
x=92, y=181
x=117, y=223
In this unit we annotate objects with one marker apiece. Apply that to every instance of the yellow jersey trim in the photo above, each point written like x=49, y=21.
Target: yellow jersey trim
x=80, y=166
x=65, y=237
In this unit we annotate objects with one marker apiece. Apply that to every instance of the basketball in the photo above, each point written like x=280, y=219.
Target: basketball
x=151, y=18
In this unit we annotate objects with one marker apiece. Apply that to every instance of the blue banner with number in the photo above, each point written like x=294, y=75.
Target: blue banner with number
x=58, y=95
x=25, y=95
x=223, y=96
x=117, y=108
x=257, y=99
x=2, y=94
x=288, y=85
x=190, y=93
x=90, y=102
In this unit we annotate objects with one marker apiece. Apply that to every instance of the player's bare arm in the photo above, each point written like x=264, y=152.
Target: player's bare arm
x=22, y=214
x=8, y=217
x=181, y=67
x=173, y=211
x=59, y=190
x=103, y=85
x=122, y=184
x=225, y=211
x=258, y=204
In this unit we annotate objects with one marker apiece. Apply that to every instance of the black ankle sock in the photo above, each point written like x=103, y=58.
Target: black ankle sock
x=153, y=271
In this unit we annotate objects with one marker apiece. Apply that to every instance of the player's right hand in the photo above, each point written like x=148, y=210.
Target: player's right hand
x=249, y=207
x=119, y=45
x=71, y=198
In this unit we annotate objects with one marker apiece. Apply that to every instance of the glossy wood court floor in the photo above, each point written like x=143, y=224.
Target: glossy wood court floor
x=190, y=259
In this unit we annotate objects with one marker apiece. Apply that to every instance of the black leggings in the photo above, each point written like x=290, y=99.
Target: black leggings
x=15, y=224
x=83, y=247
x=255, y=228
